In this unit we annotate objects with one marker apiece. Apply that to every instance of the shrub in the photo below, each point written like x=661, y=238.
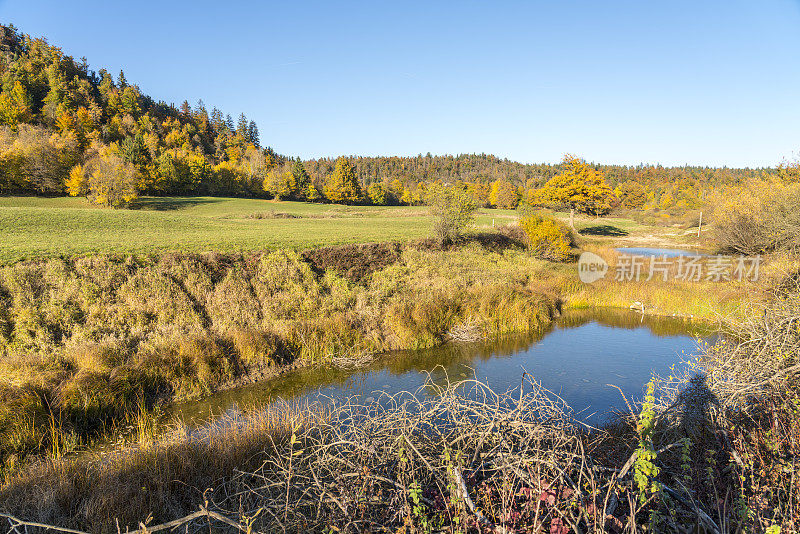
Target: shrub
x=258, y=349
x=759, y=217
x=453, y=210
x=109, y=179
x=547, y=238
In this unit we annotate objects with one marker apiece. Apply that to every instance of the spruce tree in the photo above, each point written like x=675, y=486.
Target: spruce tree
x=241, y=126
x=301, y=177
x=252, y=133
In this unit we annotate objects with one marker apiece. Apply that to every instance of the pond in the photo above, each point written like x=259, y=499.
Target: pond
x=576, y=357
x=668, y=252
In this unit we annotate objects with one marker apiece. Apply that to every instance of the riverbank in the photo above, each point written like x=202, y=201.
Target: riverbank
x=90, y=343
x=707, y=449
x=85, y=341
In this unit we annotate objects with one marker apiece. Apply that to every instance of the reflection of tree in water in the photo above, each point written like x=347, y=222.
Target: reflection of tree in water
x=622, y=318
x=453, y=362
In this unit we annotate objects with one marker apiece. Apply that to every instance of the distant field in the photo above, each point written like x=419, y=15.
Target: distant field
x=33, y=227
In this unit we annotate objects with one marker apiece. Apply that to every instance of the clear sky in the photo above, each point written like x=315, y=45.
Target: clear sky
x=671, y=82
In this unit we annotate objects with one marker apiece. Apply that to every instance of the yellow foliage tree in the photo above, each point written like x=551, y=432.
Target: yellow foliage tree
x=342, y=187
x=14, y=106
x=110, y=180
x=547, y=238
x=76, y=183
x=281, y=184
x=503, y=195
x=580, y=187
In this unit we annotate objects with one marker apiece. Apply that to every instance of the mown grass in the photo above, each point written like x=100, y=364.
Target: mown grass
x=35, y=227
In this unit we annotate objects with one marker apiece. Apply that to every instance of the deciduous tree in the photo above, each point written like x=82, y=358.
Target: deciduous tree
x=342, y=187
x=579, y=187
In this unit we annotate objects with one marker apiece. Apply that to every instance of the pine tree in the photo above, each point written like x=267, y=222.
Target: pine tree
x=252, y=133
x=229, y=122
x=300, y=175
x=122, y=83
x=217, y=121
x=241, y=126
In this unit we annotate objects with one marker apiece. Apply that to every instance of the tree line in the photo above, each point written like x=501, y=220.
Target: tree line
x=66, y=129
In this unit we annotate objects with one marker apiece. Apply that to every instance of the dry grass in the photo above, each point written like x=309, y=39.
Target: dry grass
x=82, y=340
x=706, y=300
x=712, y=450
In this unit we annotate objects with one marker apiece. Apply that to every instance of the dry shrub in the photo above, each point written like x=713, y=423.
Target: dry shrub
x=421, y=322
x=757, y=218
x=548, y=239
x=163, y=481
x=258, y=349
x=738, y=412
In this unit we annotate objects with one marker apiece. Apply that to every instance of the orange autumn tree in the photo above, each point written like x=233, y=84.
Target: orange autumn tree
x=580, y=187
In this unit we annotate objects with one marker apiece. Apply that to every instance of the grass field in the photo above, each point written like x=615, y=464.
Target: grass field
x=34, y=227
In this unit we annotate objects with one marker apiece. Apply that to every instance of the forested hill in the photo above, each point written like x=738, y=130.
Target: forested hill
x=67, y=129
x=487, y=168
x=58, y=113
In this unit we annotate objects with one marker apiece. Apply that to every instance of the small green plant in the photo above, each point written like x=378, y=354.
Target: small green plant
x=645, y=469
x=418, y=509
x=686, y=461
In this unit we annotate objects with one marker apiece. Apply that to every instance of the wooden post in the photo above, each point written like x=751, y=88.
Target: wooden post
x=700, y=224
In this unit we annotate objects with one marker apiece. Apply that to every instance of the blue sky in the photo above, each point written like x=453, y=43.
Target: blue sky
x=699, y=82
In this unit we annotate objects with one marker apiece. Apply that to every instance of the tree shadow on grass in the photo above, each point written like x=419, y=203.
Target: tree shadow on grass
x=170, y=203
x=603, y=229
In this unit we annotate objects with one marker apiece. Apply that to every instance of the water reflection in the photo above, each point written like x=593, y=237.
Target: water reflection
x=648, y=251
x=575, y=357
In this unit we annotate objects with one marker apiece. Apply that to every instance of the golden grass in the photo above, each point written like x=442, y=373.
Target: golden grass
x=91, y=336
x=159, y=478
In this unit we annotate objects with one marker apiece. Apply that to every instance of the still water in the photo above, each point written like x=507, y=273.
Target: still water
x=577, y=358
x=668, y=252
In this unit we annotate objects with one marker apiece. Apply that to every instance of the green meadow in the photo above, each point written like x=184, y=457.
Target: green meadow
x=32, y=227
x=35, y=227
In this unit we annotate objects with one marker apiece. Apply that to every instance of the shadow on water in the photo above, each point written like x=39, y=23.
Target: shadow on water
x=577, y=357
x=170, y=203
